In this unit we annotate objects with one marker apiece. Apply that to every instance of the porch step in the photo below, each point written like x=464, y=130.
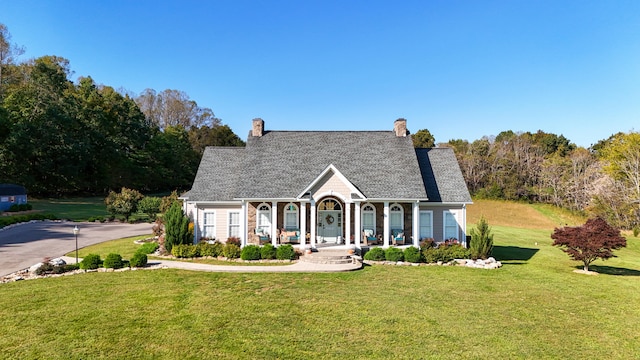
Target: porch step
x=329, y=257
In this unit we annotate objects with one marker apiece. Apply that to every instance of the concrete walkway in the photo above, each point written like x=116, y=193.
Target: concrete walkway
x=297, y=267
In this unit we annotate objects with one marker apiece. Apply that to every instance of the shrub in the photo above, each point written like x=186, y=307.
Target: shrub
x=113, y=261
x=250, y=252
x=148, y=248
x=91, y=262
x=481, y=240
x=47, y=268
x=393, y=254
x=427, y=243
x=138, y=259
x=285, y=252
x=268, y=251
x=206, y=249
x=176, y=225
x=445, y=253
x=184, y=251
x=233, y=240
x=10, y=220
x=375, y=254
x=636, y=231
x=412, y=255
x=231, y=251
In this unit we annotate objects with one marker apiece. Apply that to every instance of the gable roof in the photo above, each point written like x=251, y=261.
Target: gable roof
x=442, y=176
x=12, y=190
x=282, y=164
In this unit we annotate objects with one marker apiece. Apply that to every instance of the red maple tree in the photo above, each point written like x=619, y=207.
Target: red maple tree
x=596, y=239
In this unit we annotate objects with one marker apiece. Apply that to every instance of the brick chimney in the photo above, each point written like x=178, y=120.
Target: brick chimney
x=399, y=127
x=258, y=127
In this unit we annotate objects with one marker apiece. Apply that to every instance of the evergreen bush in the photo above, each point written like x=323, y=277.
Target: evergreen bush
x=481, y=240
x=268, y=251
x=231, y=251
x=91, y=262
x=375, y=254
x=176, y=227
x=285, y=252
x=250, y=252
x=139, y=259
x=412, y=255
x=184, y=251
x=113, y=261
x=393, y=254
x=148, y=248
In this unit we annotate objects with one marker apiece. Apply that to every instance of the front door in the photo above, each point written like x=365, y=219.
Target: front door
x=329, y=226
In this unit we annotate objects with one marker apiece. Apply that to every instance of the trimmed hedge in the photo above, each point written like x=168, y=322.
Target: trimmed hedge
x=412, y=255
x=250, y=252
x=393, y=254
x=231, y=251
x=285, y=252
x=91, y=262
x=113, y=261
x=184, y=251
x=138, y=259
x=206, y=249
x=148, y=248
x=268, y=252
x=446, y=253
x=375, y=254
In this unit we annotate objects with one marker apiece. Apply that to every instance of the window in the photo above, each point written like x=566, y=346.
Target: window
x=369, y=217
x=396, y=217
x=450, y=226
x=209, y=225
x=290, y=216
x=426, y=224
x=263, y=217
x=234, y=224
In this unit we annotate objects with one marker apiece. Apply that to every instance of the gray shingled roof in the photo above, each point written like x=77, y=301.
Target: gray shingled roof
x=442, y=176
x=281, y=164
x=218, y=175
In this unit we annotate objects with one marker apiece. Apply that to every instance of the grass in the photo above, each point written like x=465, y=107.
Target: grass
x=534, y=307
x=77, y=209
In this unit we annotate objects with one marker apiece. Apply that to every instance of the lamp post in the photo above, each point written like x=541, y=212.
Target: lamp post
x=75, y=232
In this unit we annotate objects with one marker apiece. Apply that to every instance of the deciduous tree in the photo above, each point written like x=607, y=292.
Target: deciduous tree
x=123, y=203
x=596, y=239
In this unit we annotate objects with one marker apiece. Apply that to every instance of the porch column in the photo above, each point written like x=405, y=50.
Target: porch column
x=243, y=224
x=358, y=228
x=313, y=223
x=385, y=231
x=195, y=224
x=303, y=223
x=274, y=223
x=416, y=224
x=347, y=223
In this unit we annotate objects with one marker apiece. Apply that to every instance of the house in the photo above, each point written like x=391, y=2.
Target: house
x=11, y=194
x=309, y=188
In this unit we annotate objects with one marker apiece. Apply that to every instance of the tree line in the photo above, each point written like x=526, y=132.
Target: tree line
x=59, y=137
x=603, y=180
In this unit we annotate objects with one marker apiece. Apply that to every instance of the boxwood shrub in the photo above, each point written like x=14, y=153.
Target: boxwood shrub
x=268, y=251
x=285, y=252
x=148, y=248
x=91, y=262
x=445, y=253
x=375, y=254
x=393, y=254
x=412, y=255
x=138, y=259
x=113, y=261
x=250, y=252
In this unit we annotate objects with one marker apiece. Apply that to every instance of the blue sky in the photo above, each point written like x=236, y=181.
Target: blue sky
x=462, y=69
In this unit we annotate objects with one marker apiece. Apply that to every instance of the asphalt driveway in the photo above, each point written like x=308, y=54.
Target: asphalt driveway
x=27, y=244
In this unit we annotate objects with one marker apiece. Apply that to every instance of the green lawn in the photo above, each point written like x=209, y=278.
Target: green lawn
x=535, y=307
x=77, y=209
